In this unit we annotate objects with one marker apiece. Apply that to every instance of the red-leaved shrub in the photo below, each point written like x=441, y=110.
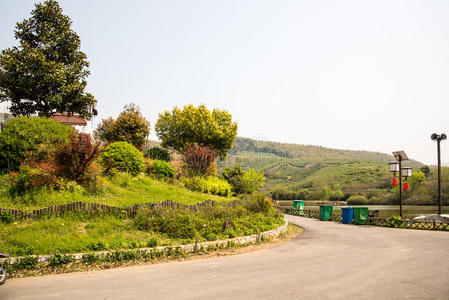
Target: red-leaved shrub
x=72, y=159
x=198, y=159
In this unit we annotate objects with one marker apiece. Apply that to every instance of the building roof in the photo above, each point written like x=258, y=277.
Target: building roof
x=69, y=120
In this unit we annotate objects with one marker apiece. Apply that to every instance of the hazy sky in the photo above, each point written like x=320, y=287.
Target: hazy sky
x=361, y=75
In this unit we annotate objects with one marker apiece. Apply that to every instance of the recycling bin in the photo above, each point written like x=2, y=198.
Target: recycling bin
x=298, y=204
x=325, y=212
x=361, y=215
x=347, y=213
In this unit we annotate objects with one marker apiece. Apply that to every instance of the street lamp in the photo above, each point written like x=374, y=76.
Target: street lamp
x=439, y=138
x=403, y=172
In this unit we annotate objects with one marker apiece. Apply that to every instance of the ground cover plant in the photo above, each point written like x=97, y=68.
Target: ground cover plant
x=119, y=190
x=79, y=232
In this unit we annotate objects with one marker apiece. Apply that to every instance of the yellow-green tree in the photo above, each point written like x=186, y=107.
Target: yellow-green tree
x=130, y=126
x=197, y=125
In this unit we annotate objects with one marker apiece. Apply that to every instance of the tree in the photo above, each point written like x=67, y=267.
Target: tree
x=130, y=126
x=197, y=125
x=47, y=72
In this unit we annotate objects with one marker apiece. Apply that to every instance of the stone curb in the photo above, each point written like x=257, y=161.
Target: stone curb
x=190, y=248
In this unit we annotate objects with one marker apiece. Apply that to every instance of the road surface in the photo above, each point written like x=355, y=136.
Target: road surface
x=328, y=261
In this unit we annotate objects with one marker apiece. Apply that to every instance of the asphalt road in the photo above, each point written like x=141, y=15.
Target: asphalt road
x=328, y=261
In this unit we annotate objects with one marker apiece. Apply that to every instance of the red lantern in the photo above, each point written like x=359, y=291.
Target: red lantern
x=395, y=181
x=405, y=188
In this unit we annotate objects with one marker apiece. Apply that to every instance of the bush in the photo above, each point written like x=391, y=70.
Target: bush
x=198, y=159
x=30, y=178
x=357, y=199
x=162, y=169
x=152, y=242
x=157, y=153
x=25, y=137
x=243, y=182
x=211, y=185
x=122, y=157
x=6, y=217
x=73, y=159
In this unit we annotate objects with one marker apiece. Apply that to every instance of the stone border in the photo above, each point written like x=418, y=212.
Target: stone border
x=190, y=248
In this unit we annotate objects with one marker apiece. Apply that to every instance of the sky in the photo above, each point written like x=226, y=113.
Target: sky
x=359, y=75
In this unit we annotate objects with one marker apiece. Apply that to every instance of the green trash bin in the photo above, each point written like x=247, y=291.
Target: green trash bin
x=298, y=204
x=360, y=215
x=325, y=212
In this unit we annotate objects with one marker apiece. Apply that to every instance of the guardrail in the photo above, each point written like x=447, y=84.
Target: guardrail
x=374, y=221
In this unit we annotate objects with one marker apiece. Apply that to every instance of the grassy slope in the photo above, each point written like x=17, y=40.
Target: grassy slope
x=118, y=191
x=295, y=165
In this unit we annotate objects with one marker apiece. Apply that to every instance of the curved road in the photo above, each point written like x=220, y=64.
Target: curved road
x=328, y=261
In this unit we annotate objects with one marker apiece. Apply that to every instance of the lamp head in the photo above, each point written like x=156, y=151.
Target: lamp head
x=443, y=136
x=434, y=136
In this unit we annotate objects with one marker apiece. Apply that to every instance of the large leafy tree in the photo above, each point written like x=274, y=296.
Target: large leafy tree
x=197, y=125
x=130, y=126
x=47, y=72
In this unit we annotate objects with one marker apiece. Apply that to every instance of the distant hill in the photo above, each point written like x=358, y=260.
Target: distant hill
x=300, y=166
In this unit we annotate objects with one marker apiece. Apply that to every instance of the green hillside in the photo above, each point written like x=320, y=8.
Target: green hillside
x=309, y=167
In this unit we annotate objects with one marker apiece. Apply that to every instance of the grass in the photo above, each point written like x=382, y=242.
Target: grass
x=78, y=232
x=121, y=190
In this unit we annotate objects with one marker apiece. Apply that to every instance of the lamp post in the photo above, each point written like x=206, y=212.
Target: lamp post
x=439, y=138
x=403, y=172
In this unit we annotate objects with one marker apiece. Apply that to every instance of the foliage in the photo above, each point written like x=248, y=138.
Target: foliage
x=29, y=137
x=6, y=217
x=208, y=223
x=196, y=125
x=243, y=182
x=394, y=221
x=162, y=169
x=157, y=153
x=60, y=260
x=73, y=159
x=122, y=157
x=211, y=185
x=152, y=242
x=357, y=199
x=47, y=72
x=198, y=159
x=31, y=178
x=281, y=192
x=130, y=126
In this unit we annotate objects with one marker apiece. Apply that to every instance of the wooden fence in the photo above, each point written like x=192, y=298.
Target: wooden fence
x=407, y=224
x=96, y=208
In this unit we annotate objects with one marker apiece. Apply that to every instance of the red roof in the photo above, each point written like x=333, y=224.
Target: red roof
x=69, y=120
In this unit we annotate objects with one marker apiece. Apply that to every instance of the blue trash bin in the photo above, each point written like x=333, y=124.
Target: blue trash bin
x=347, y=213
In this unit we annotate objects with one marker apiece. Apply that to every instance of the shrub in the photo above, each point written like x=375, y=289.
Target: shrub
x=152, y=242
x=157, y=153
x=243, y=182
x=357, y=199
x=258, y=203
x=25, y=137
x=394, y=221
x=162, y=169
x=30, y=178
x=6, y=217
x=211, y=185
x=72, y=159
x=121, y=157
x=198, y=159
